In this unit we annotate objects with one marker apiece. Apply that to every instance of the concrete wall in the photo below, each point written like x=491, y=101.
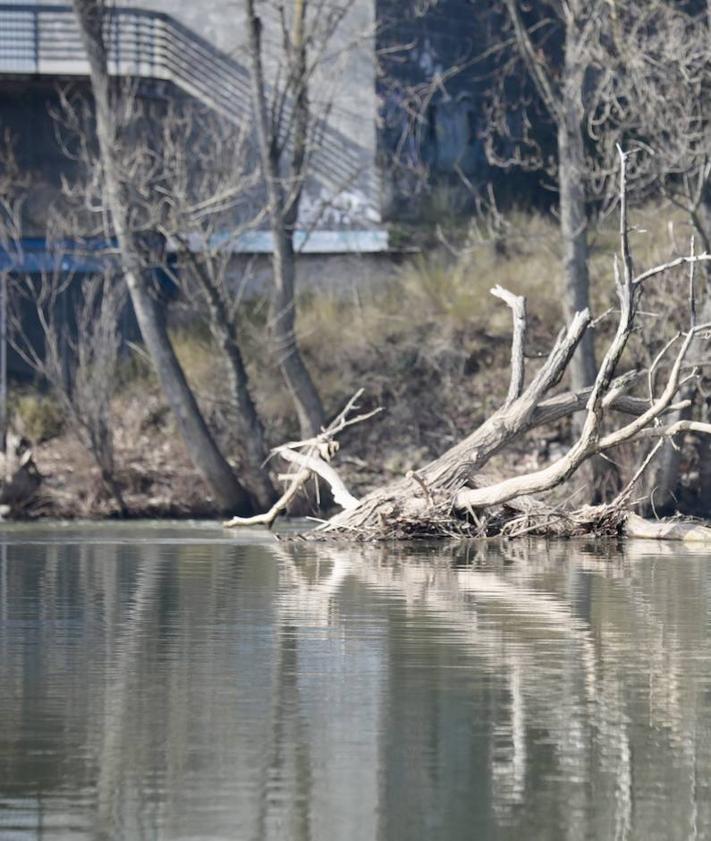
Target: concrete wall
x=327, y=273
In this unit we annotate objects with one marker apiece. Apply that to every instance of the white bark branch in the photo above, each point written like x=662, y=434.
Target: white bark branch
x=314, y=460
x=517, y=305
x=672, y=264
x=268, y=517
x=341, y=495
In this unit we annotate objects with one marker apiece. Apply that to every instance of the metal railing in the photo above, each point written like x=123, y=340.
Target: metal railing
x=45, y=40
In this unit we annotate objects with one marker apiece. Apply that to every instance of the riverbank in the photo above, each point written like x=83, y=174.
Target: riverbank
x=428, y=344
x=430, y=398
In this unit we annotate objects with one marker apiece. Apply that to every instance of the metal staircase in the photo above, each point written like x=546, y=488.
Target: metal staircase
x=44, y=40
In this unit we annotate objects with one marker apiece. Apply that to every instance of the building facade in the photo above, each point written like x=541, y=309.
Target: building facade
x=394, y=94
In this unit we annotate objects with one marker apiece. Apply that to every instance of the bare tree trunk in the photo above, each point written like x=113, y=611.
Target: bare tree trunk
x=704, y=445
x=296, y=375
x=576, y=277
x=253, y=472
x=230, y=495
x=561, y=91
x=663, y=482
x=283, y=213
x=702, y=223
x=573, y=228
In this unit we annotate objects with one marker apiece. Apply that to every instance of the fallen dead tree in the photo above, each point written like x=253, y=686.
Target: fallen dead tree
x=453, y=496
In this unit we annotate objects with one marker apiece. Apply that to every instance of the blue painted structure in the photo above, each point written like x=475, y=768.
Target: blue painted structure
x=34, y=255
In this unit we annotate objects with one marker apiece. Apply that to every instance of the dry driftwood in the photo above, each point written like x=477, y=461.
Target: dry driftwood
x=451, y=495
x=314, y=460
x=678, y=530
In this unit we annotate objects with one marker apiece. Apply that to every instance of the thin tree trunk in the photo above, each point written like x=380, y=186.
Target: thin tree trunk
x=206, y=456
x=253, y=472
x=283, y=213
x=662, y=484
x=702, y=224
x=704, y=445
x=663, y=481
x=576, y=277
x=561, y=92
x=298, y=380
x=573, y=228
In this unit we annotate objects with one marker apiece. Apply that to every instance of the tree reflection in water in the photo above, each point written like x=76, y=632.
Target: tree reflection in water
x=180, y=688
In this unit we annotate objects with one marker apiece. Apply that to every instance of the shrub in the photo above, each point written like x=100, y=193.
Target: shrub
x=37, y=417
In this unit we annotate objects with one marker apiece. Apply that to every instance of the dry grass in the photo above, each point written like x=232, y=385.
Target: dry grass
x=428, y=343
x=36, y=416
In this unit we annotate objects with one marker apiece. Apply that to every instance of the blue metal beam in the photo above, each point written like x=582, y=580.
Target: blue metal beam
x=34, y=255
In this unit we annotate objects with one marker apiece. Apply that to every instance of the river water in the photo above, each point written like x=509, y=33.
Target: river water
x=178, y=682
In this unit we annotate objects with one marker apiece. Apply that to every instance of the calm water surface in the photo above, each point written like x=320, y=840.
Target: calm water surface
x=178, y=682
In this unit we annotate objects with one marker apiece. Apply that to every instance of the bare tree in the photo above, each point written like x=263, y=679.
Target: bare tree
x=558, y=47
x=77, y=350
x=199, y=194
x=569, y=70
x=13, y=186
x=667, y=82
x=206, y=456
x=19, y=477
x=664, y=92
x=286, y=129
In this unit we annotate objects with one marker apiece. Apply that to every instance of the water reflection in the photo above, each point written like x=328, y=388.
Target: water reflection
x=172, y=683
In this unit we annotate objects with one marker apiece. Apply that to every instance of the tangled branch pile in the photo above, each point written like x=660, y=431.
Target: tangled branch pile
x=452, y=496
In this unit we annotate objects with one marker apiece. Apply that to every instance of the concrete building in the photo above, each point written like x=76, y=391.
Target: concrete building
x=379, y=54
x=197, y=49
x=370, y=160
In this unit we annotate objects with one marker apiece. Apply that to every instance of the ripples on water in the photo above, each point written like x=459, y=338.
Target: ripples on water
x=175, y=682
